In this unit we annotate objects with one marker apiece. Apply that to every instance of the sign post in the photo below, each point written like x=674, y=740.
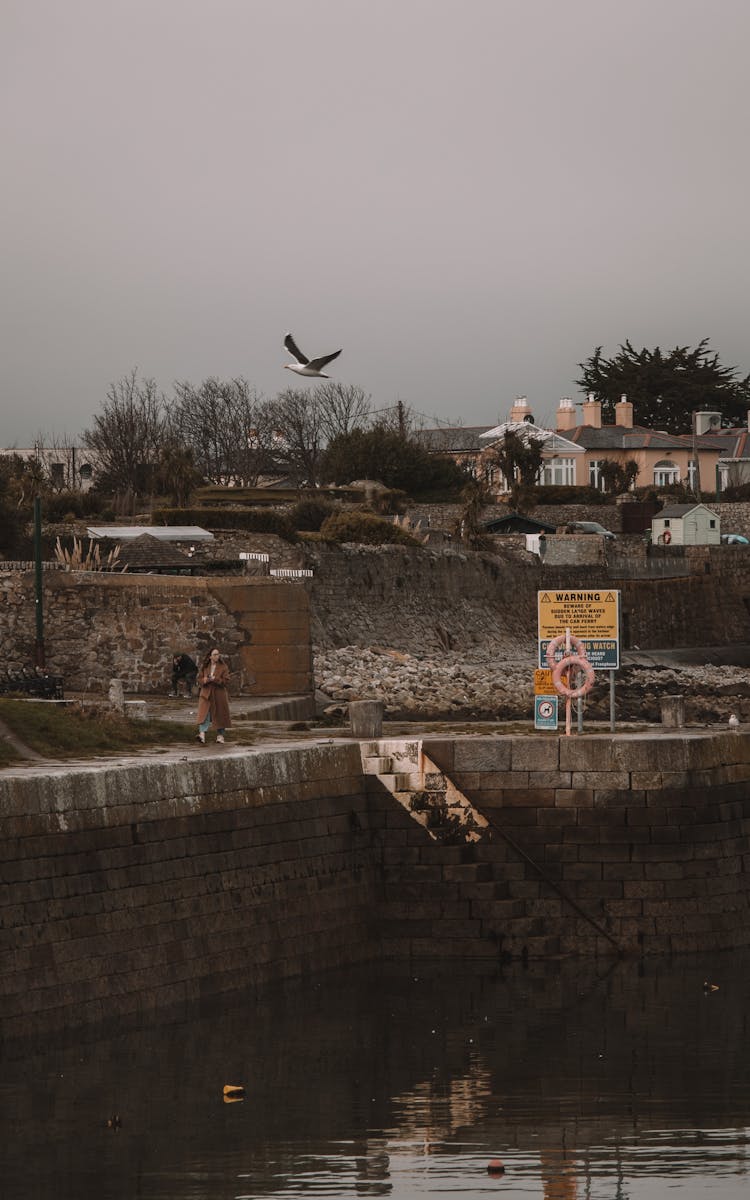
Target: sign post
x=591, y=615
x=545, y=712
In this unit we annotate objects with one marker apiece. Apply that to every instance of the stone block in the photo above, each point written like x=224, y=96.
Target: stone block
x=534, y=754
x=574, y=797
x=550, y=779
x=487, y=754
x=366, y=718
x=528, y=797
x=609, y=780
x=582, y=870
x=587, y=753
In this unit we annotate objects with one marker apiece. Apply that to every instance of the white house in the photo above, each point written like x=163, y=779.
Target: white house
x=686, y=525
x=559, y=454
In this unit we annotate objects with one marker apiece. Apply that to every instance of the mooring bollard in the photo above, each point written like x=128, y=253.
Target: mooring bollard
x=366, y=717
x=117, y=695
x=673, y=711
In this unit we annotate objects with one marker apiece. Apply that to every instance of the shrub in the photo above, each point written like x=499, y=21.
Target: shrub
x=364, y=527
x=737, y=491
x=251, y=520
x=560, y=494
x=309, y=515
x=59, y=506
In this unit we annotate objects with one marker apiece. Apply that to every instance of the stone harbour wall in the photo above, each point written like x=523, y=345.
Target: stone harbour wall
x=126, y=888
x=647, y=839
x=129, y=887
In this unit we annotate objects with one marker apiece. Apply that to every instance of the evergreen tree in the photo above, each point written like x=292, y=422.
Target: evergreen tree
x=665, y=389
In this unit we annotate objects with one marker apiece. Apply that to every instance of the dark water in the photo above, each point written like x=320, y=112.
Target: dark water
x=585, y=1080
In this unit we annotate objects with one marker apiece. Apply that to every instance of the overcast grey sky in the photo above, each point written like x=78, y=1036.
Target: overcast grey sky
x=466, y=195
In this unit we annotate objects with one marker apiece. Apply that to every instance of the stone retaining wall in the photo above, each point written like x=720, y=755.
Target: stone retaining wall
x=101, y=626
x=423, y=601
x=142, y=884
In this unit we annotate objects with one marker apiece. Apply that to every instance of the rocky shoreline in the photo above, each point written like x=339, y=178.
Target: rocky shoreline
x=475, y=685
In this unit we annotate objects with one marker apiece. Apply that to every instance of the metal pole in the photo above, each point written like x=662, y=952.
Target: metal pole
x=612, y=701
x=38, y=605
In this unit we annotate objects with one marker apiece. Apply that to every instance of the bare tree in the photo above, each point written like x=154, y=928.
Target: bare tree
x=342, y=406
x=127, y=435
x=296, y=422
x=224, y=424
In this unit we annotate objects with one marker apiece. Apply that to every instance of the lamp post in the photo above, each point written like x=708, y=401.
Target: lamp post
x=38, y=606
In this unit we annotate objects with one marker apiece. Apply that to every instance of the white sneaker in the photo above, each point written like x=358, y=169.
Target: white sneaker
x=220, y=737
x=201, y=737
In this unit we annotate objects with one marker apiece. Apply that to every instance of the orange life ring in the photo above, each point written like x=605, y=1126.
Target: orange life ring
x=666, y=537
x=583, y=664
x=559, y=641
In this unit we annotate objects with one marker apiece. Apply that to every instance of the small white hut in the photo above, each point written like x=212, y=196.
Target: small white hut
x=686, y=525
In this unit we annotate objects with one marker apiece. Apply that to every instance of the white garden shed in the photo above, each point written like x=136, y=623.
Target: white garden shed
x=686, y=525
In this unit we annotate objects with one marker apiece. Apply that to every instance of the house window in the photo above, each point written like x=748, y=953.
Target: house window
x=711, y=524
x=693, y=474
x=86, y=471
x=57, y=473
x=666, y=473
x=558, y=471
x=666, y=522
x=595, y=479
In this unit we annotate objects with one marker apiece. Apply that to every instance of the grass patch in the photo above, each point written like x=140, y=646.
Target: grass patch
x=8, y=756
x=72, y=731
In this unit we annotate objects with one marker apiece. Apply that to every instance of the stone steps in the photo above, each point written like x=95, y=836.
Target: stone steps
x=425, y=792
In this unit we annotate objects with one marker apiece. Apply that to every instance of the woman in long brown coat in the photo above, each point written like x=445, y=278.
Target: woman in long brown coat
x=213, y=699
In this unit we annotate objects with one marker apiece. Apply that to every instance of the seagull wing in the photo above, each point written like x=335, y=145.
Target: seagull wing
x=291, y=346
x=318, y=363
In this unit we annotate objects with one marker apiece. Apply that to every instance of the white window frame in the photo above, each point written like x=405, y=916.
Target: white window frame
x=666, y=473
x=558, y=472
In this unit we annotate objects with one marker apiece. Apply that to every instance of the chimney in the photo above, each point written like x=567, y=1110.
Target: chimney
x=566, y=414
x=592, y=412
x=624, y=413
x=706, y=422
x=520, y=411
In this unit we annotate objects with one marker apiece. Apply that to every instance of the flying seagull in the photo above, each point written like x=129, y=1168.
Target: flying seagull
x=307, y=366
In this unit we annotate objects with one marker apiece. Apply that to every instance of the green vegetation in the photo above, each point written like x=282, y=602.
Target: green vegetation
x=253, y=520
x=366, y=528
x=70, y=731
x=308, y=515
x=665, y=389
x=393, y=459
x=564, y=494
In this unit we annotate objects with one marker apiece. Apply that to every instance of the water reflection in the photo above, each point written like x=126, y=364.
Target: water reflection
x=585, y=1080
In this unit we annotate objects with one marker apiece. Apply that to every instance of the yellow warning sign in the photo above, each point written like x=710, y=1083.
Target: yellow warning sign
x=593, y=616
x=543, y=685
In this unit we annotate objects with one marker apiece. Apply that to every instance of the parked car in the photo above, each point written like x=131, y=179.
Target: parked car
x=591, y=527
x=734, y=539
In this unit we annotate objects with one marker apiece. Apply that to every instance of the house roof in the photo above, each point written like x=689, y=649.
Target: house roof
x=518, y=523
x=680, y=510
x=554, y=443
x=623, y=437
x=146, y=553
x=164, y=533
x=452, y=437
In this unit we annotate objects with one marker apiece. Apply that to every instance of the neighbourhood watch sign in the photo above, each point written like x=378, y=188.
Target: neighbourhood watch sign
x=593, y=616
